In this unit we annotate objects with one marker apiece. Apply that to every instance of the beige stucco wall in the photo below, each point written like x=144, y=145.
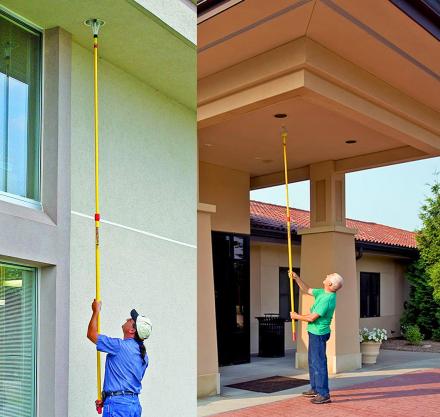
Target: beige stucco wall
x=228, y=190
x=207, y=358
x=148, y=157
x=266, y=259
x=393, y=291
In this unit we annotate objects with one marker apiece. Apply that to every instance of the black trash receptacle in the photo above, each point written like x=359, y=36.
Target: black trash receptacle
x=271, y=336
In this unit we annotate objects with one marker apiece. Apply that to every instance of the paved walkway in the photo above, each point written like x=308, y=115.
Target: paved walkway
x=405, y=381
x=412, y=394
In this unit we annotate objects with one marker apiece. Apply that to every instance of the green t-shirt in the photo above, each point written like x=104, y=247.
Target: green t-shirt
x=324, y=305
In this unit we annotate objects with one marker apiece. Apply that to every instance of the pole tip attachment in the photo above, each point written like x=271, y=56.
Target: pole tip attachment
x=95, y=24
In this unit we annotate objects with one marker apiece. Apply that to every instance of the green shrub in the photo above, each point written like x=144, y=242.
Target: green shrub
x=436, y=335
x=412, y=334
x=421, y=308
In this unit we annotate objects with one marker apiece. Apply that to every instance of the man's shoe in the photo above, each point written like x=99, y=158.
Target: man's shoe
x=310, y=393
x=319, y=399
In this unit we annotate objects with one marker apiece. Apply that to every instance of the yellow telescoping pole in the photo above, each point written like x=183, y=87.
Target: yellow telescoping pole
x=289, y=239
x=96, y=24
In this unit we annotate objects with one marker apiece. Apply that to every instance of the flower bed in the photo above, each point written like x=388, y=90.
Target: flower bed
x=402, y=344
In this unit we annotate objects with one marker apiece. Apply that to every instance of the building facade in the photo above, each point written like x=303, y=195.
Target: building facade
x=352, y=86
x=148, y=161
x=382, y=256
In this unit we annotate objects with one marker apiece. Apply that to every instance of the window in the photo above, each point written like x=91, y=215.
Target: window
x=17, y=340
x=284, y=289
x=20, y=85
x=370, y=294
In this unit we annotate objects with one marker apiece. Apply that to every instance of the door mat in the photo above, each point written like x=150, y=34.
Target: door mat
x=270, y=384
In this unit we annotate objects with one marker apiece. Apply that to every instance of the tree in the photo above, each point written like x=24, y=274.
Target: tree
x=428, y=239
x=423, y=306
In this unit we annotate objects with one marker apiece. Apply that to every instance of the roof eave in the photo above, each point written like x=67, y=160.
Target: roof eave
x=259, y=234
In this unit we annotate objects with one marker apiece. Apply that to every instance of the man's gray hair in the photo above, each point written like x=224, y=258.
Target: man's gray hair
x=337, y=280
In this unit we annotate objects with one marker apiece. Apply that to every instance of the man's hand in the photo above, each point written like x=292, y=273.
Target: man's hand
x=310, y=318
x=292, y=275
x=96, y=306
x=92, y=330
x=294, y=316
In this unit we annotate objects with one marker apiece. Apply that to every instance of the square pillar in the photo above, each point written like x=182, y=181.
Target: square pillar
x=328, y=246
x=208, y=377
x=327, y=195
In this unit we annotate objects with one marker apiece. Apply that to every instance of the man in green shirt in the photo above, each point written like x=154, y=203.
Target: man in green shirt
x=319, y=320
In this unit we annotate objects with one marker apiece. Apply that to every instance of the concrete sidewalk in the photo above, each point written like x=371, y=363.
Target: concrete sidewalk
x=402, y=370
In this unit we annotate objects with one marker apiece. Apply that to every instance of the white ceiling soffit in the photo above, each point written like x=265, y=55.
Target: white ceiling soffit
x=180, y=15
x=134, y=39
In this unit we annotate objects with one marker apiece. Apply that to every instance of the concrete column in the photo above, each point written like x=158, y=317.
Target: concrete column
x=328, y=246
x=54, y=296
x=208, y=377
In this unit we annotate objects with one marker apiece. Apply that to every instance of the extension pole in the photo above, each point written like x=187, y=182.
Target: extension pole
x=289, y=239
x=96, y=24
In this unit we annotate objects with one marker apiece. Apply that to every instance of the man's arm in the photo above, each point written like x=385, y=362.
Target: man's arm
x=301, y=283
x=92, y=331
x=310, y=318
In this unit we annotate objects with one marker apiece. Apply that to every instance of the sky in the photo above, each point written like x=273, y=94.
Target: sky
x=390, y=195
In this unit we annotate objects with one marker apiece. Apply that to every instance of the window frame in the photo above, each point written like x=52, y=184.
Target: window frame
x=369, y=276
x=35, y=30
x=35, y=328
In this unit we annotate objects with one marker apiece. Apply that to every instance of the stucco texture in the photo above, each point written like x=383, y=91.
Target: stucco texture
x=266, y=259
x=148, y=182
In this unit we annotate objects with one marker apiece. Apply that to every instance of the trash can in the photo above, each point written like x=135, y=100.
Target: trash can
x=271, y=336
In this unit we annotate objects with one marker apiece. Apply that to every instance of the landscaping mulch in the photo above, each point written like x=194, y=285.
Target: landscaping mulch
x=270, y=384
x=401, y=344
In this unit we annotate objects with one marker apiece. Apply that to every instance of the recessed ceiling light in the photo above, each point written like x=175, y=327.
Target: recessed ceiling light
x=280, y=115
x=350, y=141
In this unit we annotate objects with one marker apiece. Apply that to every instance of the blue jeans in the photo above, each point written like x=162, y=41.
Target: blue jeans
x=122, y=406
x=318, y=363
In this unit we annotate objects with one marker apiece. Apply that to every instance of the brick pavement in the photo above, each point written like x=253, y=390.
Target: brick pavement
x=415, y=394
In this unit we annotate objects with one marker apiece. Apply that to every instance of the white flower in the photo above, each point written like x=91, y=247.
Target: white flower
x=377, y=335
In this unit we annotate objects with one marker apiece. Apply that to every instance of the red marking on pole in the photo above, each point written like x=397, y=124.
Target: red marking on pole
x=98, y=404
x=95, y=45
x=288, y=219
x=97, y=217
x=294, y=337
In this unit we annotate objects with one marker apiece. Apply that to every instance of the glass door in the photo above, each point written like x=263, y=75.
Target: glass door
x=232, y=296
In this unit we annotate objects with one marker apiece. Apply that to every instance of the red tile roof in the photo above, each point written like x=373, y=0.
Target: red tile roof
x=273, y=217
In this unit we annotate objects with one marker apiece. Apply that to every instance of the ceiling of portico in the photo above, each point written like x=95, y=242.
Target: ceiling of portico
x=373, y=70
x=380, y=39
x=252, y=142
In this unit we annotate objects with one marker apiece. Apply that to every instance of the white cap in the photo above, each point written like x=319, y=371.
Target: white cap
x=143, y=325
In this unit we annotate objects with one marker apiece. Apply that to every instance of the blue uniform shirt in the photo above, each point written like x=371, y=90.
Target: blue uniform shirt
x=124, y=367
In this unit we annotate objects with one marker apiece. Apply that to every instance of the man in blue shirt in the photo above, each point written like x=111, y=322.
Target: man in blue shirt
x=125, y=364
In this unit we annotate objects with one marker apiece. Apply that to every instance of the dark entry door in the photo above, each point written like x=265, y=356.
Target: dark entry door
x=232, y=296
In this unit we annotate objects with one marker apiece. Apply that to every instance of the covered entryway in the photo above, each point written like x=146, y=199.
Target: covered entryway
x=355, y=84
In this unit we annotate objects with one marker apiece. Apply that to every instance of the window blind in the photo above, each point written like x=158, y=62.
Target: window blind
x=17, y=340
